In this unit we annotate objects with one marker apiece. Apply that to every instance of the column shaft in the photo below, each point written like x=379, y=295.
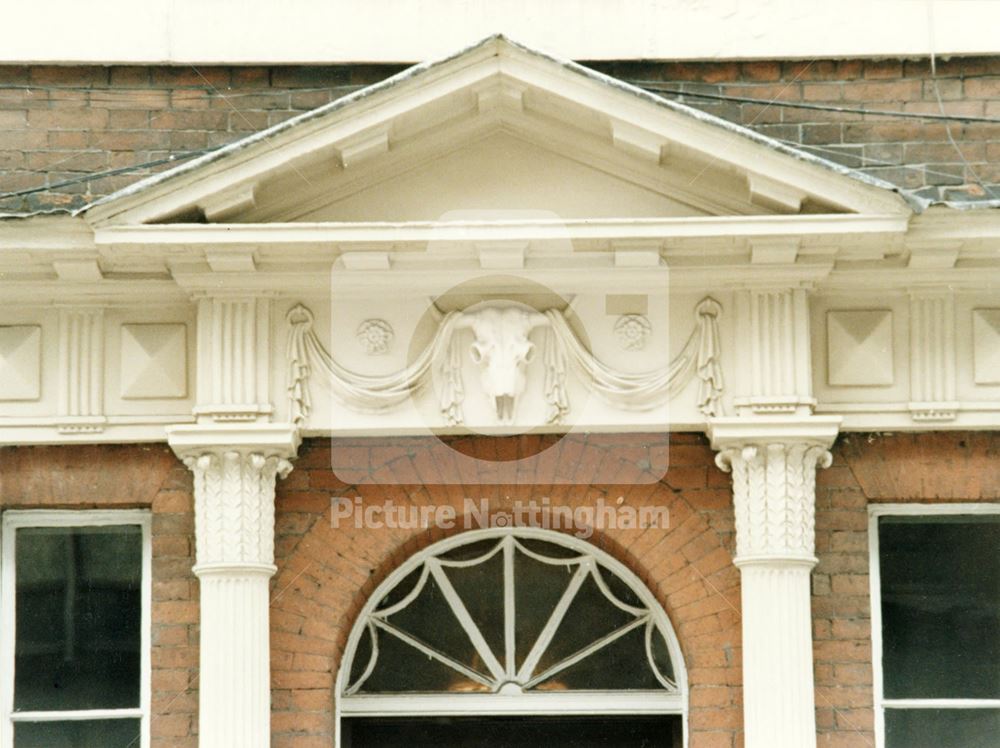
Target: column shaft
x=234, y=687
x=778, y=703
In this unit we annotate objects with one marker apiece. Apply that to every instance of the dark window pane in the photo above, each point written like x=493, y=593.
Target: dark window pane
x=620, y=665
x=481, y=589
x=401, y=590
x=940, y=606
x=661, y=656
x=401, y=668
x=619, y=589
x=471, y=551
x=547, y=549
x=633, y=731
x=105, y=733
x=429, y=619
x=589, y=618
x=79, y=612
x=537, y=589
x=362, y=656
x=942, y=728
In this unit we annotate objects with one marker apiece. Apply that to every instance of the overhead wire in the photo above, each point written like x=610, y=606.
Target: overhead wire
x=654, y=86
x=784, y=103
x=93, y=176
x=937, y=94
x=202, y=92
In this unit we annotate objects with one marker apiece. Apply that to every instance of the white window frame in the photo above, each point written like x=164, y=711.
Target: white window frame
x=536, y=704
x=16, y=519
x=875, y=511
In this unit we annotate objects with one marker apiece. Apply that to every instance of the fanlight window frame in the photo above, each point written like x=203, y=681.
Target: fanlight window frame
x=516, y=702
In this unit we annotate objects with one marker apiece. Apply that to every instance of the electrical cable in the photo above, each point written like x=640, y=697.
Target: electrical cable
x=648, y=85
x=654, y=87
x=110, y=173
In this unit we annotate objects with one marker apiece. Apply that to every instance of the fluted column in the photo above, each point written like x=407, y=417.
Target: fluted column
x=773, y=464
x=235, y=469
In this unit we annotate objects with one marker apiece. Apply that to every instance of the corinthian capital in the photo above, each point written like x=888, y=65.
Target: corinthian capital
x=234, y=506
x=773, y=465
x=235, y=470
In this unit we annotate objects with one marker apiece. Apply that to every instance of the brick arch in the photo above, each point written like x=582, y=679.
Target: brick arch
x=327, y=573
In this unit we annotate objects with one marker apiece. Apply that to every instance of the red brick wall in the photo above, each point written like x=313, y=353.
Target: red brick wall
x=119, y=477
x=932, y=467
x=326, y=575
x=62, y=123
x=912, y=153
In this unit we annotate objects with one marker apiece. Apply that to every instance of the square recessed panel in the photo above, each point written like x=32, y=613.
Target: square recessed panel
x=986, y=345
x=20, y=362
x=859, y=348
x=153, y=361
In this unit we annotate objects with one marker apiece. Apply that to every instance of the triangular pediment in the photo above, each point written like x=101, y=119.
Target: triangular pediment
x=502, y=171
x=492, y=128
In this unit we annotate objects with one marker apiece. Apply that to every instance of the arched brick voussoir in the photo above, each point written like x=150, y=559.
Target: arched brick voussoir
x=328, y=572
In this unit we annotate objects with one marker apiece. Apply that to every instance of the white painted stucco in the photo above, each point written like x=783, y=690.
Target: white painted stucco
x=329, y=31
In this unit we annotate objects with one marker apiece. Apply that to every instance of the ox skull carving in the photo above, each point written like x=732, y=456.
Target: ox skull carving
x=502, y=350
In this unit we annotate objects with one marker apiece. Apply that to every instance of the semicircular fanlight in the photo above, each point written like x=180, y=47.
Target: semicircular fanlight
x=510, y=614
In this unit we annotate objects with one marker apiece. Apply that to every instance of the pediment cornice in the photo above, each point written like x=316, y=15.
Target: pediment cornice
x=499, y=82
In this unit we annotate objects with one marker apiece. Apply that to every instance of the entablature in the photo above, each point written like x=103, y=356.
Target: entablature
x=637, y=264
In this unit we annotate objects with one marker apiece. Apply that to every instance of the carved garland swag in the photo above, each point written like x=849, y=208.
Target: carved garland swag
x=562, y=349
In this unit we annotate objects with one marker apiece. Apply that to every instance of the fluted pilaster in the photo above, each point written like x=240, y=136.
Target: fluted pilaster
x=81, y=368
x=778, y=703
x=234, y=687
x=235, y=469
x=773, y=464
x=773, y=346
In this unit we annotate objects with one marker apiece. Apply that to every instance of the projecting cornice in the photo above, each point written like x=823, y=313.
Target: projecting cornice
x=61, y=259
x=450, y=233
